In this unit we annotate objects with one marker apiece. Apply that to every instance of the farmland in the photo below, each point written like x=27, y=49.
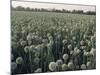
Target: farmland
x=51, y=42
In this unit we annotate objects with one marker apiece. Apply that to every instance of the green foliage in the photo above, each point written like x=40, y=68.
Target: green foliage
x=49, y=42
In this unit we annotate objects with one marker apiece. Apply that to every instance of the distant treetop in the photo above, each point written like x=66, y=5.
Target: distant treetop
x=20, y=8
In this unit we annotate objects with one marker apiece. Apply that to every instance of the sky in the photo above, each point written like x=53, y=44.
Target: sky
x=52, y=5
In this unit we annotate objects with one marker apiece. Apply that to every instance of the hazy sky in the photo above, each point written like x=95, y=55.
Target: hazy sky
x=50, y=6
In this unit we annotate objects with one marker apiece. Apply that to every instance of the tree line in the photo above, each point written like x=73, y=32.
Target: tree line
x=20, y=8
